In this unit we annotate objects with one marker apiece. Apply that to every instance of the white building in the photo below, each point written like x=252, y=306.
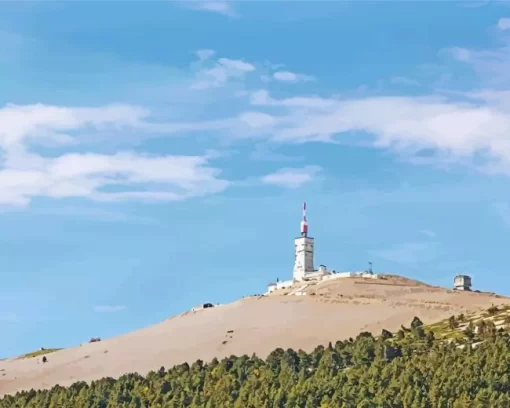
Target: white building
x=303, y=258
x=303, y=252
x=462, y=282
x=279, y=285
x=304, y=269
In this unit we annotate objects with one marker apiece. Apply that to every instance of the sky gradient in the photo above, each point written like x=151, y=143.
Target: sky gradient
x=155, y=155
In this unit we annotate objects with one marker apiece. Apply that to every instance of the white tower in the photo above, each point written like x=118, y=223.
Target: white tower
x=303, y=259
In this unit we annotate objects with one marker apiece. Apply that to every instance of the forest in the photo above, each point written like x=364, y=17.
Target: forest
x=415, y=367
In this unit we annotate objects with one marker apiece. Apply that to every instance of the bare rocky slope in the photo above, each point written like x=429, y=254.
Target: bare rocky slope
x=330, y=311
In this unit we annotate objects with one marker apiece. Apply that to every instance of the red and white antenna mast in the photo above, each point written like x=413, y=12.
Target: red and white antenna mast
x=304, y=223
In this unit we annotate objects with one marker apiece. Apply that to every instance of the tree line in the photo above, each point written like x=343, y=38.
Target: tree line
x=408, y=369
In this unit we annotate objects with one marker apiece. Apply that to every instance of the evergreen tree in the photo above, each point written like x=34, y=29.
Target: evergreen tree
x=423, y=372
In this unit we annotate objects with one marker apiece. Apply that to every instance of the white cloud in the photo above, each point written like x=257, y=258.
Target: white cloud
x=109, y=309
x=491, y=65
x=450, y=128
x=257, y=119
x=236, y=65
x=221, y=73
x=504, y=23
x=124, y=175
x=264, y=153
x=287, y=76
x=205, y=54
x=407, y=125
x=121, y=176
x=468, y=128
x=292, y=177
x=52, y=122
x=474, y=4
x=458, y=53
x=216, y=6
x=262, y=98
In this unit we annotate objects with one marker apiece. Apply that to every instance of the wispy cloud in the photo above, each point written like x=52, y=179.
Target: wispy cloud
x=464, y=131
x=163, y=178
x=264, y=153
x=223, y=70
x=205, y=54
x=215, y=6
x=490, y=64
x=257, y=120
x=475, y=4
x=400, y=80
x=457, y=53
x=504, y=24
x=287, y=76
x=124, y=175
x=109, y=308
x=292, y=177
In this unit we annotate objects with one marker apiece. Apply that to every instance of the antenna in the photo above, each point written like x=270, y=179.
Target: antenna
x=304, y=223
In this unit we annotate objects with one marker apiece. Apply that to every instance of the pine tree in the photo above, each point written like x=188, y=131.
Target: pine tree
x=428, y=373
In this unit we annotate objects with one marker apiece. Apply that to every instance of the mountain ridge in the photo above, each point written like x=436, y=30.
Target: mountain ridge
x=324, y=312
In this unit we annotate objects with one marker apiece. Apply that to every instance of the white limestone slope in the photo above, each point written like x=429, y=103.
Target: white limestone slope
x=330, y=311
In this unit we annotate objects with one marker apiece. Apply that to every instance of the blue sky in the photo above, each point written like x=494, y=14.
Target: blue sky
x=156, y=155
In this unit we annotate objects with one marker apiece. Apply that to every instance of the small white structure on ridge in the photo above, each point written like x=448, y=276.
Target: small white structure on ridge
x=462, y=282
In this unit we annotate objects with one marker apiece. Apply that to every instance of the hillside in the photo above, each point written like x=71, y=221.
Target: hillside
x=417, y=367
x=330, y=311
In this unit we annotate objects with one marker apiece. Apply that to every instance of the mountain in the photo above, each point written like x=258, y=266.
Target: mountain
x=454, y=363
x=317, y=314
